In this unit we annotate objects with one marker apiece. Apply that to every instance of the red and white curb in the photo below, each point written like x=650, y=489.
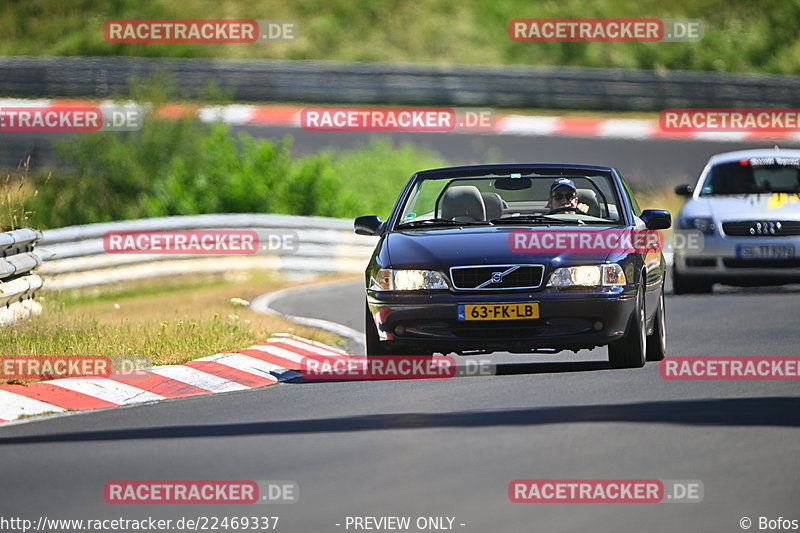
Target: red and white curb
x=265, y=363
x=524, y=125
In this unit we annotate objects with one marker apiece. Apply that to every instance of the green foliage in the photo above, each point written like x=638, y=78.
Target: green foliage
x=740, y=35
x=184, y=167
x=14, y=194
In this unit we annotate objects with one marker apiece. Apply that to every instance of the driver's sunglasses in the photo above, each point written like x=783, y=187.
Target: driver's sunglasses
x=558, y=197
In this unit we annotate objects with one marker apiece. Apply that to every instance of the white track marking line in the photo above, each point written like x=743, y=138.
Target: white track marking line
x=278, y=336
x=245, y=363
x=303, y=346
x=728, y=136
x=236, y=114
x=14, y=405
x=198, y=378
x=19, y=102
x=107, y=389
x=626, y=129
x=526, y=125
x=282, y=352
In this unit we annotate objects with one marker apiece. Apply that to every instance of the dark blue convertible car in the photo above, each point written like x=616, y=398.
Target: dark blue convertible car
x=519, y=258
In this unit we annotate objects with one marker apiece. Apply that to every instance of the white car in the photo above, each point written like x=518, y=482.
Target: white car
x=746, y=205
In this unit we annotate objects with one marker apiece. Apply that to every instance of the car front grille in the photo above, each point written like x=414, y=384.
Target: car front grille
x=761, y=228
x=701, y=262
x=479, y=277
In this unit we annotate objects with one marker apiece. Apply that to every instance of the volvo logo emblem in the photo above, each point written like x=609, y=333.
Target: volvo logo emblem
x=765, y=228
x=497, y=276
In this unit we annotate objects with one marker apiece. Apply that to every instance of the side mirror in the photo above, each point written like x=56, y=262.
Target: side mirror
x=684, y=190
x=656, y=219
x=368, y=225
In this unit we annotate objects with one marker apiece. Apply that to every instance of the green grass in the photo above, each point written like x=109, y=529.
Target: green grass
x=15, y=195
x=740, y=35
x=165, y=321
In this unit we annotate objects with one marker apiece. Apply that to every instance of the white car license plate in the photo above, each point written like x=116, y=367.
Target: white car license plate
x=765, y=251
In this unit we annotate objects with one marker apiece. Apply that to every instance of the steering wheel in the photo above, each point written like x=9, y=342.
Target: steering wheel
x=564, y=210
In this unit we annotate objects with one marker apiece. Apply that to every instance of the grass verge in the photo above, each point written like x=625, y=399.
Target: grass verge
x=659, y=198
x=165, y=321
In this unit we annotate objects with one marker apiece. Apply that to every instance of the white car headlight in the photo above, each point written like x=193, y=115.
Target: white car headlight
x=388, y=279
x=704, y=224
x=608, y=275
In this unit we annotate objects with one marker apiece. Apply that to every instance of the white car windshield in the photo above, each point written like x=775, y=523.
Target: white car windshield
x=753, y=176
x=484, y=199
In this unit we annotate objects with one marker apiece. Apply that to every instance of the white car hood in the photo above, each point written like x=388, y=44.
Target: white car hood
x=750, y=207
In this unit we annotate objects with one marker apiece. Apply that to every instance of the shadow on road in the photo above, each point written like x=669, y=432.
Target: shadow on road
x=496, y=369
x=769, y=411
x=507, y=369
x=727, y=290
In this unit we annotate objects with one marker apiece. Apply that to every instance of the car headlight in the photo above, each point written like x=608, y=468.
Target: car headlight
x=703, y=224
x=608, y=275
x=388, y=279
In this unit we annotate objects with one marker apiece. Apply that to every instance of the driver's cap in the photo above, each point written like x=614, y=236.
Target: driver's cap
x=563, y=182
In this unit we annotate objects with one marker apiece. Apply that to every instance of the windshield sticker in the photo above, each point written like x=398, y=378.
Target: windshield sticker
x=767, y=161
x=778, y=200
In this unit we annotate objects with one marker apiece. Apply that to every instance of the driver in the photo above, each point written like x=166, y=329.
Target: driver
x=563, y=193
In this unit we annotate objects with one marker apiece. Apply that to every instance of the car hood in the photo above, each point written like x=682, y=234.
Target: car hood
x=486, y=245
x=746, y=207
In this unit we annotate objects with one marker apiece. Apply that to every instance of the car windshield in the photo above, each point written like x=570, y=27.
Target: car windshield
x=510, y=199
x=753, y=175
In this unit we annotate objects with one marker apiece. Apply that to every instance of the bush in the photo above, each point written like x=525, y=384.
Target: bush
x=184, y=167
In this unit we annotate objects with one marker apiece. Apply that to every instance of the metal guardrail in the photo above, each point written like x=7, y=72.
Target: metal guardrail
x=18, y=283
x=403, y=84
x=75, y=256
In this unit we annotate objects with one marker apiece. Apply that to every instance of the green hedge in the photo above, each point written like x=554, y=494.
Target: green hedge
x=184, y=167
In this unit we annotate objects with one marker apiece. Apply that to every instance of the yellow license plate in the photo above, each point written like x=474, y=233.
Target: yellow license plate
x=498, y=311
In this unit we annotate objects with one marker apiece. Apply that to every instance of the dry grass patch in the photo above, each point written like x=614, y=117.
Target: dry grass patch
x=660, y=198
x=166, y=321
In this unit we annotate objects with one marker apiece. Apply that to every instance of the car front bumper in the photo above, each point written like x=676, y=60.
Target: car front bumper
x=568, y=319
x=717, y=259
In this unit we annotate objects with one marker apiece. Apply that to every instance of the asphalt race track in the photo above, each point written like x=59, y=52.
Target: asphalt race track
x=450, y=447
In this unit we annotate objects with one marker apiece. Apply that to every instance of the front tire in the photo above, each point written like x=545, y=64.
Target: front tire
x=657, y=341
x=373, y=343
x=682, y=284
x=629, y=351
